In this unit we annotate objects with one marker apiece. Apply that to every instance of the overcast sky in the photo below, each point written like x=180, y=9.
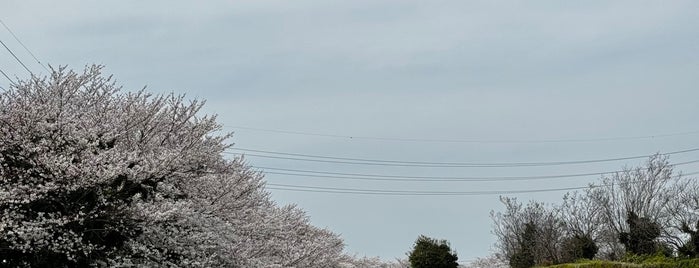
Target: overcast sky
x=432, y=81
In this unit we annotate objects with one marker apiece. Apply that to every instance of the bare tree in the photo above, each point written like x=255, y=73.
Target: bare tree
x=508, y=227
x=652, y=192
x=683, y=209
x=581, y=215
x=646, y=191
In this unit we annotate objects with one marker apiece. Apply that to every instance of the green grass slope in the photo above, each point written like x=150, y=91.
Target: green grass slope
x=650, y=263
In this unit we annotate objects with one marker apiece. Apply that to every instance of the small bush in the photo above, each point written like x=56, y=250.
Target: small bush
x=579, y=247
x=432, y=253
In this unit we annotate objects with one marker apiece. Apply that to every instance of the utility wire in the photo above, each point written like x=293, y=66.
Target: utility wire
x=18, y=60
x=8, y=78
x=315, y=189
x=25, y=47
x=350, y=137
x=379, y=162
x=373, y=191
x=382, y=177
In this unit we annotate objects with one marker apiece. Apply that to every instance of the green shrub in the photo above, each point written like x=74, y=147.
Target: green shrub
x=432, y=253
x=640, y=239
x=578, y=247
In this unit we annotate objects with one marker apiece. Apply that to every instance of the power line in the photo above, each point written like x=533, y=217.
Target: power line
x=315, y=189
x=25, y=47
x=383, y=177
x=400, y=192
x=8, y=78
x=395, y=139
x=18, y=60
x=380, y=162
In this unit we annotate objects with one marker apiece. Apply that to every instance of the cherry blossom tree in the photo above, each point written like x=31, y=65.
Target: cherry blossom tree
x=94, y=176
x=491, y=261
x=375, y=262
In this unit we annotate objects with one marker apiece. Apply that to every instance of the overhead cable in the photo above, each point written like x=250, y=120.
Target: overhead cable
x=25, y=47
x=8, y=77
x=16, y=58
x=382, y=177
x=316, y=189
x=396, y=139
x=380, y=162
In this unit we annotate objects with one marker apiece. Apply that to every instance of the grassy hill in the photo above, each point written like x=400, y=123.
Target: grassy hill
x=656, y=262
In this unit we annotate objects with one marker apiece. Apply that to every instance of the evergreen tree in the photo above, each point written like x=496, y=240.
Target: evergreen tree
x=524, y=257
x=640, y=239
x=431, y=253
x=579, y=247
x=691, y=246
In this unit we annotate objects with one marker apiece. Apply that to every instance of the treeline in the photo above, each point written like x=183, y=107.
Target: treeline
x=641, y=211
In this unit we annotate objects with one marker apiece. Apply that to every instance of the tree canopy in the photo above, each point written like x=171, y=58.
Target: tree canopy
x=94, y=176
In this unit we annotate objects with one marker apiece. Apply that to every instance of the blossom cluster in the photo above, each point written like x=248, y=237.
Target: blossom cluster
x=94, y=176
